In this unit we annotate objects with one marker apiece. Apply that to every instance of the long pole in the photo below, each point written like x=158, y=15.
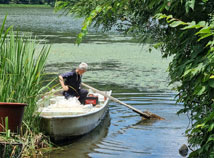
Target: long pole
x=145, y=115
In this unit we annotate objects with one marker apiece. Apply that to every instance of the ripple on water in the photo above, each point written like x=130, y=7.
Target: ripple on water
x=149, y=138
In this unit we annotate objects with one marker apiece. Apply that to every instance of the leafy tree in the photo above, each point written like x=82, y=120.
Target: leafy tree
x=185, y=30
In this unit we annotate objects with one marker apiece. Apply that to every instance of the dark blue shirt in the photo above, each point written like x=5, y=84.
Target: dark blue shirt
x=73, y=80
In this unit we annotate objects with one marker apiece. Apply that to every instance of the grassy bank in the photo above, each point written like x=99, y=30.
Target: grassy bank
x=27, y=144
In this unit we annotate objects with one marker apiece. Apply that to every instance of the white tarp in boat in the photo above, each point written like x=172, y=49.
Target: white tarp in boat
x=58, y=105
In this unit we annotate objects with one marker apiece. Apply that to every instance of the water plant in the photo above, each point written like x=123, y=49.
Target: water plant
x=22, y=72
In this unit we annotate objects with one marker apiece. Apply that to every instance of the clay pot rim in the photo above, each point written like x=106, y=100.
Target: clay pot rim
x=12, y=104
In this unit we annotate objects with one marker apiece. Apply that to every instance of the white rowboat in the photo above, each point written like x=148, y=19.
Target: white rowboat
x=64, y=123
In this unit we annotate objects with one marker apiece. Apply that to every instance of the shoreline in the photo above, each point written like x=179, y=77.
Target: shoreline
x=11, y=5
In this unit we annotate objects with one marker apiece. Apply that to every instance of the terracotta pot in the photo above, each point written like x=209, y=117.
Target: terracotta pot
x=14, y=112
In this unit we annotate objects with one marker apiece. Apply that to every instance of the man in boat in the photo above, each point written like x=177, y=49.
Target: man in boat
x=71, y=81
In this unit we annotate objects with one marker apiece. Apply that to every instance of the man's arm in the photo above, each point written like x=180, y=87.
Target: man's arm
x=61, y=80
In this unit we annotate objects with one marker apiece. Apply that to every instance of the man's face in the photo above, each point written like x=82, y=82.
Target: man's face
x=81, y=71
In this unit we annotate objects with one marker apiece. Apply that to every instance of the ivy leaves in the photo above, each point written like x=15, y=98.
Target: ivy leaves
x=197, y=80
x=204, y=29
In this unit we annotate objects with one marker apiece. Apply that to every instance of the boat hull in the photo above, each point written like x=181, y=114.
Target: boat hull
x=70, y=126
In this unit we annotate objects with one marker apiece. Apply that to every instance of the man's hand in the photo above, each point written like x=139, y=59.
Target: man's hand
x=65, y=88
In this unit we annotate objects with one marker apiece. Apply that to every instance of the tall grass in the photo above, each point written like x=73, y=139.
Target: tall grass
x=21, y=71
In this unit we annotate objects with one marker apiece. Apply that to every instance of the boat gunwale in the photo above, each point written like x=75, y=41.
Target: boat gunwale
x=79, y=115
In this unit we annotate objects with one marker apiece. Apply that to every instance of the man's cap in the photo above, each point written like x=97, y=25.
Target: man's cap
x=83, y=66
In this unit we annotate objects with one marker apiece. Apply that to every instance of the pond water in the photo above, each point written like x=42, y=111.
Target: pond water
x=135, y=75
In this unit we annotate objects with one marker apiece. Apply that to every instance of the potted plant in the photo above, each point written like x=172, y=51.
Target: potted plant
x=21, y=74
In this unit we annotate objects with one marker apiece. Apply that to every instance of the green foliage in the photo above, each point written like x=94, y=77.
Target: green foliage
x=22, y=73
x=185, y=30
x=198, y=99
x=87, y=23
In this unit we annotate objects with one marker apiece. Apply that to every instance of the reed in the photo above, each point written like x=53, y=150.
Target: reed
x=22, y=69
x=22, y=73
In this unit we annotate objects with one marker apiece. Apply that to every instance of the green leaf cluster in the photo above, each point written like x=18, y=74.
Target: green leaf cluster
x=196, y=90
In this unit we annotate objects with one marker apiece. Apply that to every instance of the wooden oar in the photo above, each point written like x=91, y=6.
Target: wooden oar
x=145, y=114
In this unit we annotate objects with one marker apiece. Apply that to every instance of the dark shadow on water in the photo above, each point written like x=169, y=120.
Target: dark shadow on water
x=95, y=66
x=55, y=37
x=145, y=122
x=71, y=37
